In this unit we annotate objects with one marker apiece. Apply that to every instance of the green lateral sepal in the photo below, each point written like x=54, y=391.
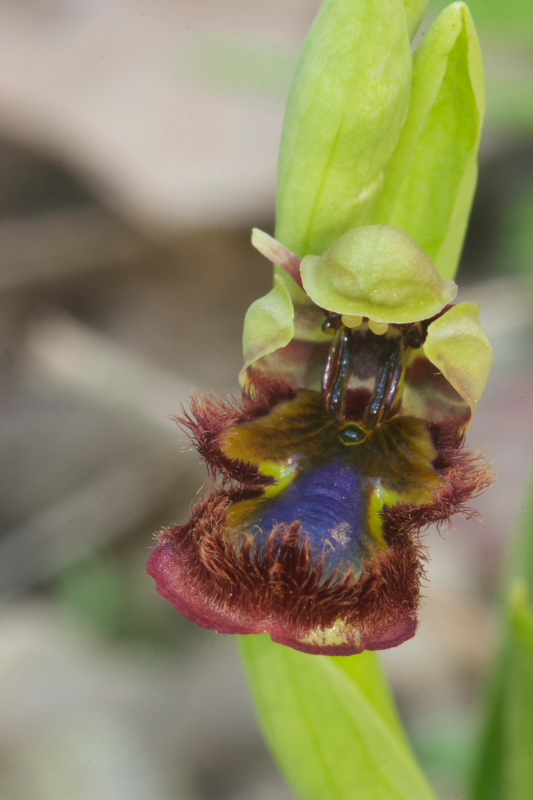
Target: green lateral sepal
x=268, y=324
x=457, y=345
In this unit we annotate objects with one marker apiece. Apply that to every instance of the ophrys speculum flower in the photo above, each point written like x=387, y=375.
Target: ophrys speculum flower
x=347, y=442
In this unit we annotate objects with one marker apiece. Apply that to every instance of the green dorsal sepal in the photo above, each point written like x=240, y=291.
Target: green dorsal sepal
x=378, y=272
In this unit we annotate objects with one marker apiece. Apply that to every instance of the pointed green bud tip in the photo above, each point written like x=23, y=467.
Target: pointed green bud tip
x=378, y=272
x=269, y=323
x=457, y=345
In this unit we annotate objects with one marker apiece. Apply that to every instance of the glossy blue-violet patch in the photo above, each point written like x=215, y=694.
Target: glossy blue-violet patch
x=328, y=501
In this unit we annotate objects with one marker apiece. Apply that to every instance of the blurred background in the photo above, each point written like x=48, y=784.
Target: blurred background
x=138, y=146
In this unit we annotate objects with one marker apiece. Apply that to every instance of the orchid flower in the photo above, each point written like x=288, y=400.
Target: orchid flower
x=360, y=375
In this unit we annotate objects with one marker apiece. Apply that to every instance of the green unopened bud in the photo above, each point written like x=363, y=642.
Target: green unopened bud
x=346, y=107
x=430, y=178
x=414, y=11
x=378, y=272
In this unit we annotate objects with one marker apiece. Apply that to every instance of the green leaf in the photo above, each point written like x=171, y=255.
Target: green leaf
x=430, y=179
x=365, y=672
x=487, y=777
x=332, y=728
x=521, y=616
x=268, y=324
x=347, y=103
x=519, y=783
x=503, y=769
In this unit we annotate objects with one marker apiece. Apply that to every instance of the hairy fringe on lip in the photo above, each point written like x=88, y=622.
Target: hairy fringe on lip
x=209, y=416
x=283, y=588
x=223, y=580
x=467, y=475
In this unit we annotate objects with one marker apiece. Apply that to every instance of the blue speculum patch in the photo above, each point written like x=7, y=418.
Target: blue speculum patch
x=329, y=502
